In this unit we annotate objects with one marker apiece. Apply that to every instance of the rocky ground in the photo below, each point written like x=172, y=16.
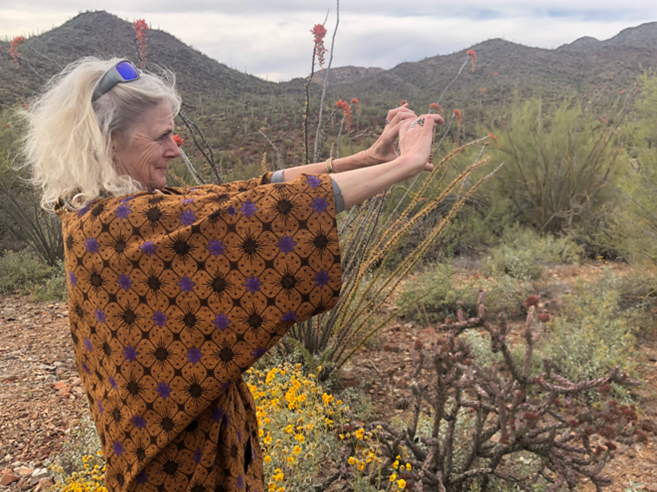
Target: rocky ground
x=42, y=402
x=41, y=399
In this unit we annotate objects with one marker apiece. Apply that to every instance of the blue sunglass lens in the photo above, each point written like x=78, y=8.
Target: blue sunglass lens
x=127, y=71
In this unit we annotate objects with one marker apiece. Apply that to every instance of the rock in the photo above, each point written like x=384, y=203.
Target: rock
x=648, y=425
x=44, y=483
x=40, y=473
x=75, y=381
x=9, y=478
x=60, y=384
x=24, y=471
x=391, y=347
x=26, y=486
x=652, y=487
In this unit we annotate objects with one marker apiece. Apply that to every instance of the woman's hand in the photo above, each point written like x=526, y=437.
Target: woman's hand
x=415, y=140
x=383, y=149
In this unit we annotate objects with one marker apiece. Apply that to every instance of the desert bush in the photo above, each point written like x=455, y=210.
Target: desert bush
x=21, y=271
x=507, y=423
x=296, y=421
x=53, y=288
x=558, y=164
x=592, y=335
x=635, y=224
x=523, y=254
x=439, y=293
x=80, y=462
x=24, y=271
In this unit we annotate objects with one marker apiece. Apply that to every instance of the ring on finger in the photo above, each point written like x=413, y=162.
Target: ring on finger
x=387, y=121
x=419, y=121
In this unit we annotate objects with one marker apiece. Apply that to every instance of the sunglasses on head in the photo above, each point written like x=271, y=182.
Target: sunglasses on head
x=123, y=71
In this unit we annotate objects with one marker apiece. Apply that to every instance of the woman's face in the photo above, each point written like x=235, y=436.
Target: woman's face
x=145, y=151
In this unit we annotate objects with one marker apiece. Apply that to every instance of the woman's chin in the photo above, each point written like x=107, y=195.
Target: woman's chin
x=159, y=179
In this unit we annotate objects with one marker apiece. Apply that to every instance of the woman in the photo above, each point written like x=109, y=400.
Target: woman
x=175, y=292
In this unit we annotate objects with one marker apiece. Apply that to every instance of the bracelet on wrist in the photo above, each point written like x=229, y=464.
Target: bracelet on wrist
x=329, y=165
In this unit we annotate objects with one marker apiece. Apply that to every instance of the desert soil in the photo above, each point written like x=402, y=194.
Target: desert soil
x=42, y=400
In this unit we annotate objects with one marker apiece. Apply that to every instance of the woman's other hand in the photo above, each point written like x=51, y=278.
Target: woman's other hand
x=415, y=140
x=383, y=150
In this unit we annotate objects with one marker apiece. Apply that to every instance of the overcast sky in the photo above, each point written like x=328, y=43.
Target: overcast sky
x=271, y=38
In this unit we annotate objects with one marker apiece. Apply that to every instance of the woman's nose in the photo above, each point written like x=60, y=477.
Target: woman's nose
x=173, y=150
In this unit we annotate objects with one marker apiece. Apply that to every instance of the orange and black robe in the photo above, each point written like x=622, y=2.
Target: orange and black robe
x=172, y=296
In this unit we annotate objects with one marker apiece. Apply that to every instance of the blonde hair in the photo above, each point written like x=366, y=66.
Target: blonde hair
x=68, y=144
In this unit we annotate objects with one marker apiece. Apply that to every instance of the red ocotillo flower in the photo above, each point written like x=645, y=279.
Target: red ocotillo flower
x=319, y=31
x=459, y=118
x=473, y=59
x=483, y=90
x=495, y=74
x=531, y=301
x=141, y=31
x=494, y=139
x=356, y=102
x=346, y=109
x=13, y=50
x=402, y=102
x=438, y=108
x=179, y=141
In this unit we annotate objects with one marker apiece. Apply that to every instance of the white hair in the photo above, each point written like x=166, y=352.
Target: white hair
x=69, y=139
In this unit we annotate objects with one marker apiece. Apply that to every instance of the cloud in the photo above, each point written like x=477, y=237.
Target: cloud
x=271, y=38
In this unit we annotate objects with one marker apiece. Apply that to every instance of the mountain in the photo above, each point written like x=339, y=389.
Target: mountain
x=105, y=35
x=232, y=108
x=345, y=75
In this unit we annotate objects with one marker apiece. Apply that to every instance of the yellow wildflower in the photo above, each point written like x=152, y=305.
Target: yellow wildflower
x=395, y=465
x=300, y=438
x=297, y=449
x=408, y=466
x=360, y=433
x=351, y=460
x=393, y=477
x=267, y=459
x=402, y=483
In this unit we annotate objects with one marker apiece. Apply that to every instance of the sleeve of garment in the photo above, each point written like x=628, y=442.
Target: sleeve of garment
x=179, y=293
x=277, y=177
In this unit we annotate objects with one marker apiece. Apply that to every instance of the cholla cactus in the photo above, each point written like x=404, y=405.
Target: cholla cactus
x=483, y=415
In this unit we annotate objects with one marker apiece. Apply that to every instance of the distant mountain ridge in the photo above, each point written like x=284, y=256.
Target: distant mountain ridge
x=581, y=66
x=643, y=36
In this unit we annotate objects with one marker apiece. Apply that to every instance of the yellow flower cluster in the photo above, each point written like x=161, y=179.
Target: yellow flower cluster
x=367, y=459
x=295, y=418
x=87, y=480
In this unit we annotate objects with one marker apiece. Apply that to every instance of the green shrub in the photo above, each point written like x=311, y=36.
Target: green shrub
x=21, y=271
x=24, y=272
x=436, y=295
x=54, y=289
x=558, y=163
x=523, y=254
x=593, y=335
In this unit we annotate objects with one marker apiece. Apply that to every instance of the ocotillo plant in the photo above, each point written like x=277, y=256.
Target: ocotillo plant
x=484, y=418
x=367, y=246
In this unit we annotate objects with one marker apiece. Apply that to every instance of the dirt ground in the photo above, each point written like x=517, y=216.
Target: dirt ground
x=386, y=367
x=41, y=398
